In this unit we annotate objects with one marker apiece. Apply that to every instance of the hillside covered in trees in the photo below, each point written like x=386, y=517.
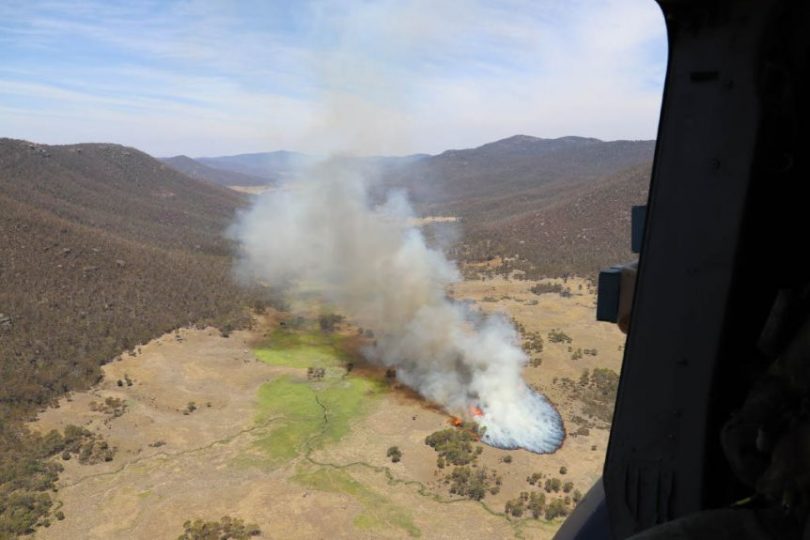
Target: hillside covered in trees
x=547, y=206
x=553, y=206
x=103, y=248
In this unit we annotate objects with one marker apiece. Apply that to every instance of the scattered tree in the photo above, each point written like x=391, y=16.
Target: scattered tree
x=567, y=487
x=395, y=454
x=227, y=528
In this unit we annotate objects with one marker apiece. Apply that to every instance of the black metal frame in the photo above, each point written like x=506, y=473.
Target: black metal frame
x=724, y=230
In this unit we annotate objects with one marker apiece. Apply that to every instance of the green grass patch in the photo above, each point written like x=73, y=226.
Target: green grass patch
x=303, y=421
x=301, y=349
x=302, y=417
x=378, y=511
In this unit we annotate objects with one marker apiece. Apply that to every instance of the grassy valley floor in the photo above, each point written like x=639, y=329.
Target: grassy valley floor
x=269, y=426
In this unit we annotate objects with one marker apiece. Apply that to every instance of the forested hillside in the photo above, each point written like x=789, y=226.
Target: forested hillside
x=103, y=248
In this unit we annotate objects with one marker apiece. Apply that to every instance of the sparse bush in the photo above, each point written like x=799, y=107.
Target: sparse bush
x=329, y=321
x=563, y=470
x=227, y=528
x=558, y=336
x=532, y=342
x=315, y=373
x=115, y=407
x=556, y=509
x=567, y=487
x=585, y=378
x=514, y=507
x=471, y=483
x=395, y=454
x=453, y=445
x=547, y=288
x=507, y=459
x=537, y=502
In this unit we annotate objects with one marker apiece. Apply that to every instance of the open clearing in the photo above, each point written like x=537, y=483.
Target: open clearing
x=304, y=456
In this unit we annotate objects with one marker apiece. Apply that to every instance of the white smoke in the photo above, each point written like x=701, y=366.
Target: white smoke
x=373, y=265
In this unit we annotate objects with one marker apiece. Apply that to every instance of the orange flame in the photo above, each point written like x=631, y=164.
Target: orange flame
x=456, y=421
x=476, y=411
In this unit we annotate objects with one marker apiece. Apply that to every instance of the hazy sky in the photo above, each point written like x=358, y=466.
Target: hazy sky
x=375, y=77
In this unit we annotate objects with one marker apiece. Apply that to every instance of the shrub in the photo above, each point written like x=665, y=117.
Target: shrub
x=395, y=454
x=556, y=509
x=471, y=483
x=453, y=445
x=567, y=487
x=558, y=336
x=329, y=321
x=225, y=528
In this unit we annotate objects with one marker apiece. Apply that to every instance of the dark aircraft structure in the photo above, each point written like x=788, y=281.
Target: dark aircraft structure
x=711, y=431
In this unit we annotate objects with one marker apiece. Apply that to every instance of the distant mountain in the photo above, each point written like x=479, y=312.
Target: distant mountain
x=270, y=166
x=222, y=177
x=522, y=195
x=103, y=248
x=525, y=195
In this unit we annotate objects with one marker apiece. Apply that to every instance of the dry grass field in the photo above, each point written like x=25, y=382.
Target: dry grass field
x=305, y=457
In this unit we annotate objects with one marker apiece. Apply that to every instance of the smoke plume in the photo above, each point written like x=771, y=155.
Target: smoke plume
x=374, y=266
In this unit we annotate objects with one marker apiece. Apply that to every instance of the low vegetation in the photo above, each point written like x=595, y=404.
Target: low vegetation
x=328, y=322
x=596, y=392
x=533, y=503
x=111, y=406
x=534, y=478
x=537, y=505
x=473, y=482
x=227, y=528
x=551, y=288
x=28, y=472
x=558, y=336
x=315, y=373
x=532, y=342
x=455, y=446
x=395, y=454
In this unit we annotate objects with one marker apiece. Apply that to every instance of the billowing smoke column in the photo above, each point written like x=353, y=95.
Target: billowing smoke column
x=374, y=266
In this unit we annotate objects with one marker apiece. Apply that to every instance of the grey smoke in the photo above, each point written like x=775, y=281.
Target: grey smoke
x=373, y=265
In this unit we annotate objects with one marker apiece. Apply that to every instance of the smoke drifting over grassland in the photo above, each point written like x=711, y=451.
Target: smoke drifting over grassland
x=376, y=268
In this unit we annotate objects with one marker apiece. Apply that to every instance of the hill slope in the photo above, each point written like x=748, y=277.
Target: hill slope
x=104, y=248
x=197, y=170
x=560, y=205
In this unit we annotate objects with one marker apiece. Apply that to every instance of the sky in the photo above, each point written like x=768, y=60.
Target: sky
x=390, y=77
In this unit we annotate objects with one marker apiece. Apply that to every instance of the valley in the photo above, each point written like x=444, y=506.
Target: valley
x=248, y=426
x=137, y=371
